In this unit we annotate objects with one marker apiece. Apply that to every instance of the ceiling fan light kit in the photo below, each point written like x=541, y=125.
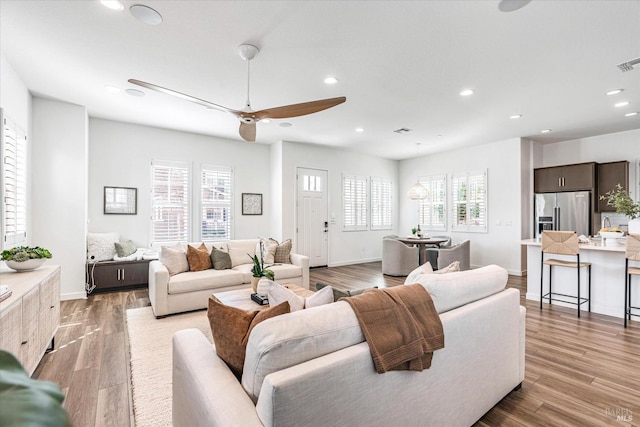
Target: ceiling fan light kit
x=248, y=117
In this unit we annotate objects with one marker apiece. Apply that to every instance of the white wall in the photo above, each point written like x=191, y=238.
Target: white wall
x=120, y=154
x=502, y=159
x=276, y=191
x=59, y=188
x=344, y=247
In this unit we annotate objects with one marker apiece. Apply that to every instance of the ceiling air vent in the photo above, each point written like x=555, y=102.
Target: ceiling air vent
x=402, y=130
x=628, y=66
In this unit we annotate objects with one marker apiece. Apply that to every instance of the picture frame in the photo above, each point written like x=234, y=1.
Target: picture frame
x=251, y=204
x=120, y=200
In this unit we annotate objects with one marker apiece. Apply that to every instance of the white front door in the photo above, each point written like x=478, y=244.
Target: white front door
x=312, y=219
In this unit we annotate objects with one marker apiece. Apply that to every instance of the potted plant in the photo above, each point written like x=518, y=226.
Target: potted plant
x=258, y=271
x=25, y=258
x=624, y=204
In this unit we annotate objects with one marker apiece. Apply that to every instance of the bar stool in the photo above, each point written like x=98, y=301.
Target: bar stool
x=632, y=253
x=563, y=243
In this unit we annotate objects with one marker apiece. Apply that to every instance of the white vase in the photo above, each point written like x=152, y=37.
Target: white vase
x=27, y=265
x=634, y=226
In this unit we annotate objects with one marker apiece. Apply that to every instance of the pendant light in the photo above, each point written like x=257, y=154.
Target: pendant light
x=417, y=191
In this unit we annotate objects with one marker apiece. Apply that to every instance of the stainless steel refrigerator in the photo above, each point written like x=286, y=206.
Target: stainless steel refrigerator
x=569, y=211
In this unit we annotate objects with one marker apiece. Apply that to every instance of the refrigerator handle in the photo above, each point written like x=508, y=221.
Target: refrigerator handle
x=556, y=218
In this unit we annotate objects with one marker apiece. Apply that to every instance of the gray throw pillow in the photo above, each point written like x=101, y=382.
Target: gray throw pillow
x=220, y=259
x=124, y=249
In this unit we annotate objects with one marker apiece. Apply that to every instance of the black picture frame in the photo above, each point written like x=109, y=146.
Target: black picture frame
x=251, y=204
x=120, y=200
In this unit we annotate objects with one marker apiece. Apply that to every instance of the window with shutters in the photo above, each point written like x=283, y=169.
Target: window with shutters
x=14, y=188
x=432, y=211
x=215, y=203
x=354, y=196
x=170, y=202
x=469, y=199
x=380, y=203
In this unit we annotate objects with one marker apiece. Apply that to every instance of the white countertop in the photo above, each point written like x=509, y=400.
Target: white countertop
x=593, y=245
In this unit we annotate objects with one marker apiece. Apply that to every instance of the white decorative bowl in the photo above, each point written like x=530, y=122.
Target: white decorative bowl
x=28, y=265
x=611, y=234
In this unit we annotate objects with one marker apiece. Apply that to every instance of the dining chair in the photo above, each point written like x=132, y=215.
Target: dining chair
x=632, y=253
x=563, y=243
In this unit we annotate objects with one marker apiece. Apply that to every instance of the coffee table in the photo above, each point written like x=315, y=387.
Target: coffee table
x=241, y=298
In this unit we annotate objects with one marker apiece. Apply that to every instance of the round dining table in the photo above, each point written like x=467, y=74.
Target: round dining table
x=421, y=243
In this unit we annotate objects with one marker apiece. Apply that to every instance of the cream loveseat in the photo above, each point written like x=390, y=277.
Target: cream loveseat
x=314, y=368
x=191, y=290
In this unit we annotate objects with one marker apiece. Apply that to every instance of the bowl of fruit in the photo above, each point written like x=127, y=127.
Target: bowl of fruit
x=611, y=234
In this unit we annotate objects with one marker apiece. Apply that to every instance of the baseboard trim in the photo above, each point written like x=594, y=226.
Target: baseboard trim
x=74, y=295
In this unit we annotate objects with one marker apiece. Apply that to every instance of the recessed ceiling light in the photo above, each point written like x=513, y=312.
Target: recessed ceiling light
x=614, y=92
x=512, y=5
x=145, y=14
x=111, y=89
x=359, y=130
x=635, y=113
x=134, y=92
x=621, y=104
x=545, y=131
x=439, y=136
x=331, y=80
x=265, y=121
x=285, y=125
x=515, y=116
x=113, y=4
x=466, y=92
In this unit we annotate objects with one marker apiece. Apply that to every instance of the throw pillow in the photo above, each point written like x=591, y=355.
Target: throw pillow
x=423, y=269
x=278, y=294
x=283, y=251
x=454, y=266
x=124, y=249
x=199, y=258
x=220, y=259
x=268, y=250
x=101, y=246
x=231, y=327
x=174, y=258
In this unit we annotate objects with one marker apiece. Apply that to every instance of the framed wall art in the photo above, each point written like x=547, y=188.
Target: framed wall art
x=251, y=204
x=120, y=201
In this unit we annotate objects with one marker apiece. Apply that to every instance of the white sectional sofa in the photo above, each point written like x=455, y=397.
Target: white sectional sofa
x=314, y=368
x=191, y=290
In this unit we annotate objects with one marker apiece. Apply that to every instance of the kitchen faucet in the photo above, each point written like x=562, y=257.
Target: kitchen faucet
x=606, y=222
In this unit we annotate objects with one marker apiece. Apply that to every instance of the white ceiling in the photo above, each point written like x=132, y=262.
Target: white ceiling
x=400, y=64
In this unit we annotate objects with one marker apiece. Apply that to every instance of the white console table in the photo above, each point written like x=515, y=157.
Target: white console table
x=30, y=317
x=607, y=276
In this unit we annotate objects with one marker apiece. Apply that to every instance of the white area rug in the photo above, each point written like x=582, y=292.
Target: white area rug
x=151, y=361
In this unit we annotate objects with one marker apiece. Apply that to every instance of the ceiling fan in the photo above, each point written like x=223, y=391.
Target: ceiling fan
x=248, y=117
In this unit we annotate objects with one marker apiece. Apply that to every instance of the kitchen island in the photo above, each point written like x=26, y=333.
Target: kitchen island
x=607, y=276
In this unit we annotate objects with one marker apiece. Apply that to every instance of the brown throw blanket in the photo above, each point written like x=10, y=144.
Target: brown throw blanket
x=401, y=326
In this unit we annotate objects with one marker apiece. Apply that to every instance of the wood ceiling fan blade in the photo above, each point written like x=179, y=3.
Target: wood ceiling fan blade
x=248, y=131
x=184, y=96
x=297, y=110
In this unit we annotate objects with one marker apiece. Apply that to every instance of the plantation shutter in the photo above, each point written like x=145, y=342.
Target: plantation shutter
x=432, y=211
x=216, y=200
x=380, y=203
x=469, y=196
x=170, y=202
x=14, y=176
x=355, y=202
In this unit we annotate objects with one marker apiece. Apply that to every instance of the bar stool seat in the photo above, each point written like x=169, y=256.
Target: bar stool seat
x=563, y=243
x=632, y=253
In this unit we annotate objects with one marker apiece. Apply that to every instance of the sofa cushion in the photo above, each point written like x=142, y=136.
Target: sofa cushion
x=283, y=251
x=220, y=259
x=456, y=289
x=231, y=328
x=289, y=340
x=241, y=251
x=285, y=271
x=205, y=279
x=198, y=258
x=174, y=258
x=454, y=266
x=423, y=269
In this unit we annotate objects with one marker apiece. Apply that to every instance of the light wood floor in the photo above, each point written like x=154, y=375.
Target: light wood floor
x=578, y=372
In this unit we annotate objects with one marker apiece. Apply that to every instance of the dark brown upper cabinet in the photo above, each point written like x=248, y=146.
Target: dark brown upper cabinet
x=610, y=175
x=578, y=177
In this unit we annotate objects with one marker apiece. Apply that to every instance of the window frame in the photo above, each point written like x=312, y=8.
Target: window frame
x=430, y=183
x=470, y=179
x=226, y=204
x=359, y=185
x=385, y=186
x=14, y=173
x=186, y=204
